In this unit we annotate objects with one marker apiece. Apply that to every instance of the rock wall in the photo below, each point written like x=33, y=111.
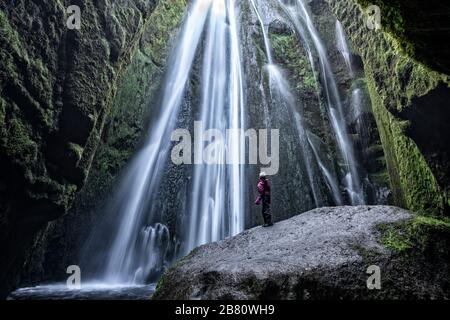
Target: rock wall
x=61, y=243
x=56, y=88
x=410, y=100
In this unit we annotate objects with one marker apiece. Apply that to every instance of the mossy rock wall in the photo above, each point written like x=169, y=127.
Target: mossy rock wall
x=56, y=89
x=137, y=96
x=410, y=102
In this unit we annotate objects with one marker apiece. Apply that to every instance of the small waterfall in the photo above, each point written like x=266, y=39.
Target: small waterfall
x=358, y=109
x=308, y=33
x=153, y=243
x=281, y=93
x=333, y=185
x=342, y=45
x=264, y=33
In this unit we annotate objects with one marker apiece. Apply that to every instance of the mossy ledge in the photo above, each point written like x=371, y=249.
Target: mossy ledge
x=421, y=233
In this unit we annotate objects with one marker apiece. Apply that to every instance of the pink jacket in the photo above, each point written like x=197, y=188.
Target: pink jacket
x=264, y=187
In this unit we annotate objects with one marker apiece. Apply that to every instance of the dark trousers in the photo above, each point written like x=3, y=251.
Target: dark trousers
x=267, y=215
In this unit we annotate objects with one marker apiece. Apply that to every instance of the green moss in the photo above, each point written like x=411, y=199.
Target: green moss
x=19, y=144
x=367, y=254
x=414, y=185
x=380, y=178
x=164, y=278
x=8, y=34
x=402, y=21
x=2, y=112
x=394, y=79
x=416, y=233
x=35, y=79
x=165, y=18
x=77, y=150
x=136, y=92
x=289, y=53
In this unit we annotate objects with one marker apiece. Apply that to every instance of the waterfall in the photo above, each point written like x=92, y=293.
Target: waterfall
x=217, y=208
x=308, y=33
x=333, y=185
x=342, y=45
x=216, y=196
x=358, y=109
x=281, y=93
x=264, y=33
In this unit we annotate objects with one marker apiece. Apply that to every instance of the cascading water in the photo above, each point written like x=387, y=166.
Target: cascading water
x=358, y=114
x=217, y=208
x=124, y=262
x=217, y=192
x=281, y=94
x=217, y=188
x=216, y=199
x=343, y=48
x=308, y=33
x=333, y=185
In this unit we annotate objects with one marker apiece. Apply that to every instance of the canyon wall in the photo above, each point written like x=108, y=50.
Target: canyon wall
x=56, y=90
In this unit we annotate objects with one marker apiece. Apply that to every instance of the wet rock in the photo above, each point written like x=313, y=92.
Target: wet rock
x=279, y=27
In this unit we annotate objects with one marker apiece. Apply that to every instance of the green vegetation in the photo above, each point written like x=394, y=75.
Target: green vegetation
x=166, y=18
x=2, y=115
x=165, y=277
x=77, y=150
x=416, y=233
x=19, y=144
x=36, y=75
x=291, y=55
x=401, y=21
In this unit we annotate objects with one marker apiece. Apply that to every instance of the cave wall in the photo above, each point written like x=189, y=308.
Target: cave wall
x=408, y=96
x=56, y=88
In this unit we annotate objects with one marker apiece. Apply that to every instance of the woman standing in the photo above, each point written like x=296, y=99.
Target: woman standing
x=264, y=198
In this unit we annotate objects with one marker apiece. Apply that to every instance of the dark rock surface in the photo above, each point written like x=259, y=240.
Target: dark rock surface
x=321, y=254
x=56, y=87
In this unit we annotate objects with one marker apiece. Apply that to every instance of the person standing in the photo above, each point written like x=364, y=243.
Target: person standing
x=264, y=199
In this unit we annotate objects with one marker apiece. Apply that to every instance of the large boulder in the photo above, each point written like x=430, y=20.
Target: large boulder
x=322, y=254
